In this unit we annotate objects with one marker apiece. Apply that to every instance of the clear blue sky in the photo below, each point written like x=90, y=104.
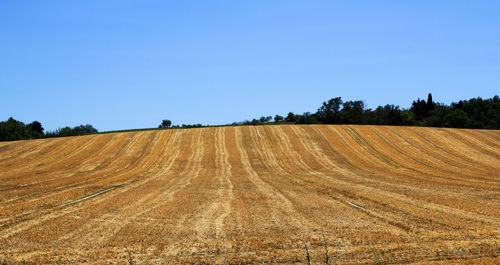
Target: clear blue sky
x=130, y=64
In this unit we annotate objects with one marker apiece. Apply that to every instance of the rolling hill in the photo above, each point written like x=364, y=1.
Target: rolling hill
x=253, y=194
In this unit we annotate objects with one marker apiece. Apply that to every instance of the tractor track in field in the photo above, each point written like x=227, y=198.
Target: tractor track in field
x=251, y=194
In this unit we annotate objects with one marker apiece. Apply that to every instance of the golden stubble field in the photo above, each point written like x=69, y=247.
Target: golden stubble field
x=232, y=195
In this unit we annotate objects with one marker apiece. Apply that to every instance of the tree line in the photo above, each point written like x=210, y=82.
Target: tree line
x=12, y=129
x=475, y=113
x=168, y=124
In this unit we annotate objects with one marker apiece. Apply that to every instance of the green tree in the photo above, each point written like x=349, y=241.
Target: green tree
x=430, y=104
x=306, y=118
x=65, y=131
x=36, y=129
x=421, y=108
x=483, y=113
x=329, y=111
x=352, y=112
x=387, y=115
x=165, y=124
x=255, y=122
x=290, y=117
x=457, y=119
x=265, y=119
x=407, y=118
x=13, y=130
x=278, y=118
x=437, y=117
x=84, y=129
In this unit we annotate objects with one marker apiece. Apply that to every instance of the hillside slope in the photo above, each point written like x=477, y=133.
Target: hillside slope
x=250, y=194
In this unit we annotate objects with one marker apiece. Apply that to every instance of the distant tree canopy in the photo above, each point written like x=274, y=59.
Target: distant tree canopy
x=290, y=117
x=165, y=124
x=16, y=130
x=474, y=113
x=481, y=113
x=265, y=118
x=306, y=118
x=189, y=126
x=421, y=108
x=36, y=129
x=13, y=130
x=75, y=131
x=329, y=112
x=352, y=112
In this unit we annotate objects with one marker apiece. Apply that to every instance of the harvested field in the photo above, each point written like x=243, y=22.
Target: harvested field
x=371, y=194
